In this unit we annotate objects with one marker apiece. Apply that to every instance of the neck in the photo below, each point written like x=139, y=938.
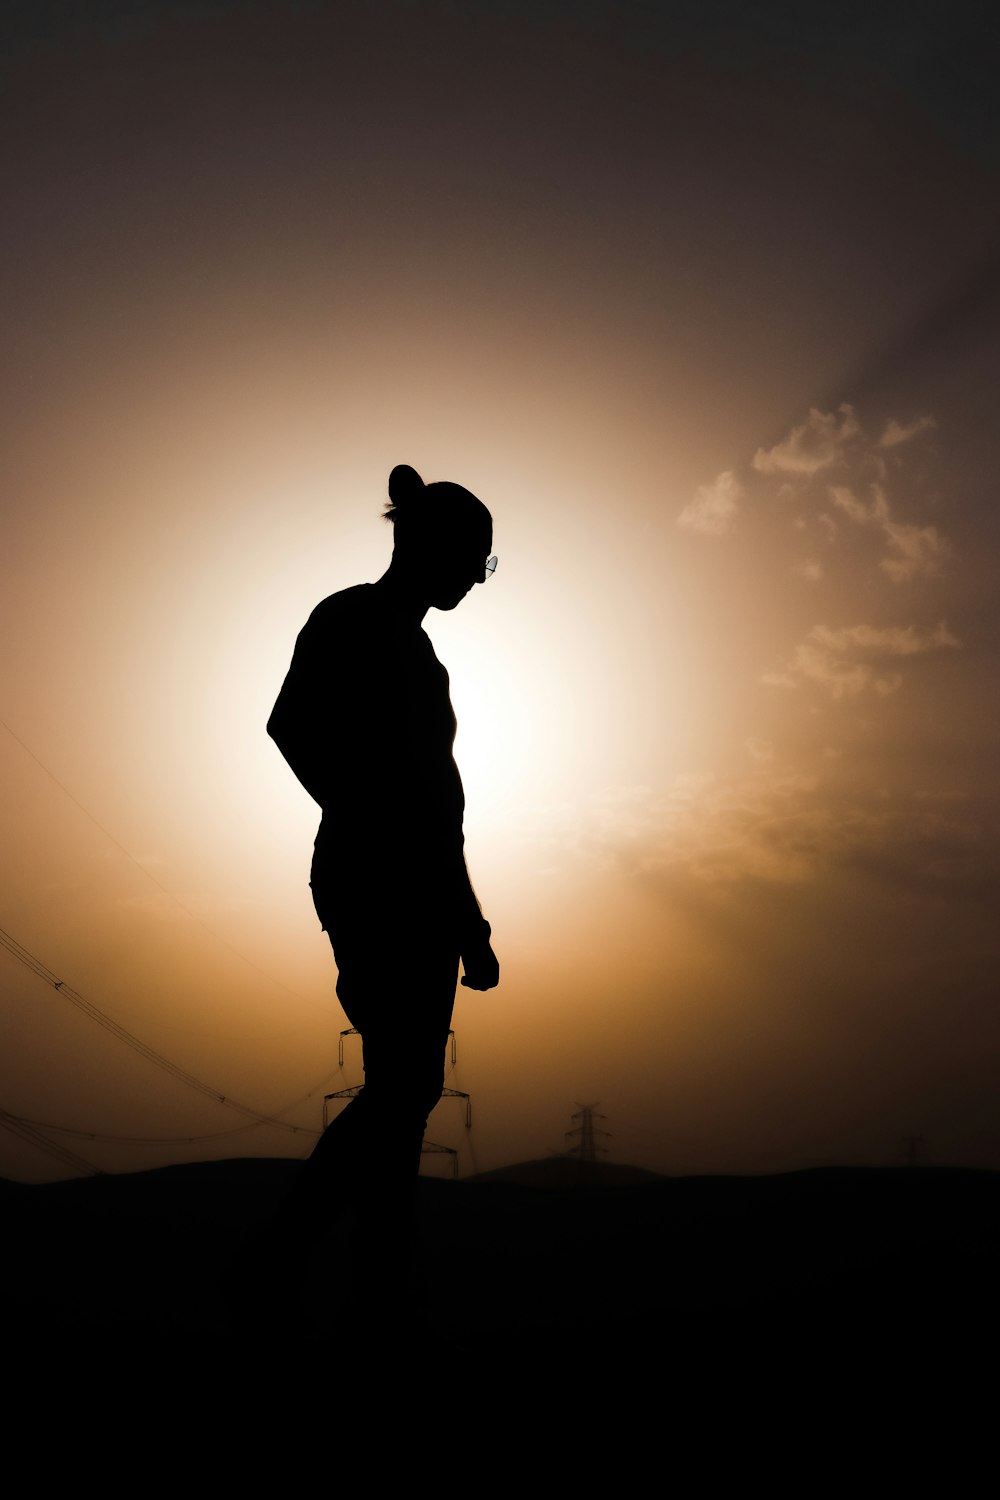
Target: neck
x=403, y=592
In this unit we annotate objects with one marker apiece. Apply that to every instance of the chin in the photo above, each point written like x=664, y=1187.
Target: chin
x=450, y=601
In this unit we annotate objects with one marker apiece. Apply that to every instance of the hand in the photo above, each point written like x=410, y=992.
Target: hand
x=482, y=972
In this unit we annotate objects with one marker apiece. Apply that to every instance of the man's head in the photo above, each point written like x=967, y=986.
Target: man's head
x=443, y=534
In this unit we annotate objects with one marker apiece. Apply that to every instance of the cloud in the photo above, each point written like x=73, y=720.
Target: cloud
x=700, y=828
x=824, y=440
x=783, y=829
x=819, y=442
x=885, y=640
x=808, y=568
x=895, y=433
x=762, y=751
x=920, y=551
x=714, y=508
x=841, y=677
x=914, y=551
x=849, y=659
x=847, y=501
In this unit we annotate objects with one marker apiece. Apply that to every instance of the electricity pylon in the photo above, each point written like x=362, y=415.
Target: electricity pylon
x=586, y=1149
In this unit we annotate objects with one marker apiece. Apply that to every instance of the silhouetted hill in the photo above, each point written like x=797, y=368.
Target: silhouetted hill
x=806, y=1269
x=568, y=1172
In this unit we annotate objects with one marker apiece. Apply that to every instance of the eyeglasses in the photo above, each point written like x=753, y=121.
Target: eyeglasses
x=491, y=567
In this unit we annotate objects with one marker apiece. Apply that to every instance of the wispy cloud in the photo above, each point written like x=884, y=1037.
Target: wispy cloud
x=915, y=551
x=715, y=507
x=847, y=501
x=779, y=828
x=919, y=551
x=841, y=676
x=809, y=568
x=827, y=440
x=885, y=640
x=761, y=751
x=896, y=432
x=818, y=443
x=851, y=659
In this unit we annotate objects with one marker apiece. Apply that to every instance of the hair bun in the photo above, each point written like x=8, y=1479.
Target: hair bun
x=405, y=486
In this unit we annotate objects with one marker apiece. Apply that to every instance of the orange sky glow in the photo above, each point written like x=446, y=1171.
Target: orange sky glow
x=716, y=342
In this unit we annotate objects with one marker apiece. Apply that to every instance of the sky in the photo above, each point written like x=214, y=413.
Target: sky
x=702, y=301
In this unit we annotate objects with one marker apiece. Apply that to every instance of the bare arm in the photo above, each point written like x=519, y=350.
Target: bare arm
x=297, y=740
x=482, y=970
x=318, y=697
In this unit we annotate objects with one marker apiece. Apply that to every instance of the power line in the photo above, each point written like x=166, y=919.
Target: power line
x=154, y=1140
x=28, y=1132
x=140, y=866
x=43, y=972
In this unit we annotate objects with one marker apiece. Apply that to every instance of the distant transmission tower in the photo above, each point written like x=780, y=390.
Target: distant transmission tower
x=913, y=1150
x=586, y=1149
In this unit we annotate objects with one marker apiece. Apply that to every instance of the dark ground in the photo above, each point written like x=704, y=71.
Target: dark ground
x=828, y=1290
x=537, y=1251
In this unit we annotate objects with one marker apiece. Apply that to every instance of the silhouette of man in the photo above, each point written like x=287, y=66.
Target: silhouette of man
x=365, y=721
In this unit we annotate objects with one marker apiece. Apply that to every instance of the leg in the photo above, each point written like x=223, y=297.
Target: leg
x=369, y=1156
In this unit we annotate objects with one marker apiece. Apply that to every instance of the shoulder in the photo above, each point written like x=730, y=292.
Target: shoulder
x=347, y=617
x=342, y=608
x=350, y=633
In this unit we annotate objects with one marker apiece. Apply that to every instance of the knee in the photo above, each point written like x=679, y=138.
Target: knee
x=405, y=1095
x=415, y=1100
x=425, y=1099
